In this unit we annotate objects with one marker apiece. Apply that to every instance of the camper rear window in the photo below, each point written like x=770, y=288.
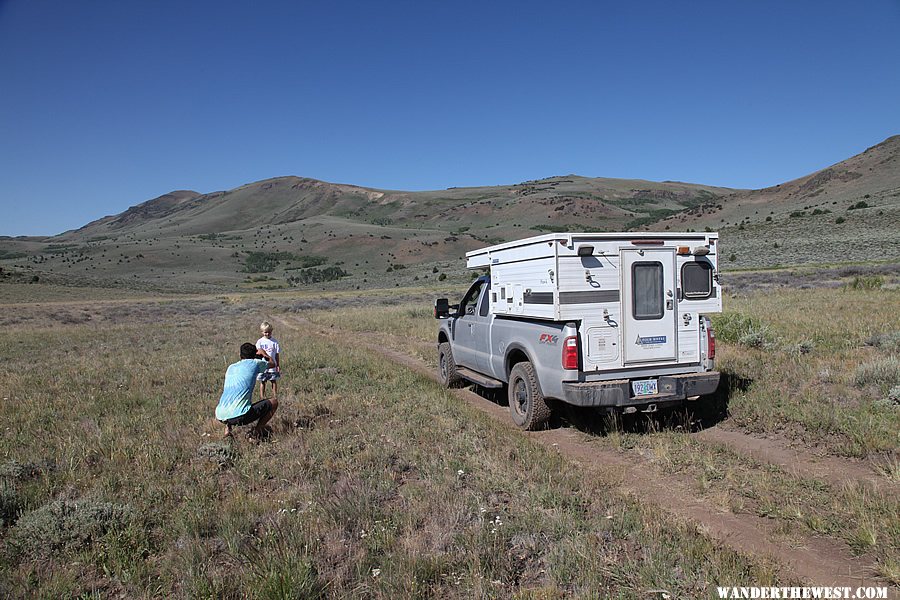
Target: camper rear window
x=647, y=293
x=696, y=280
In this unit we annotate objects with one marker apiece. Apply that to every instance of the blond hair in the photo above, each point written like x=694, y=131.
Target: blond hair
x=265, y=326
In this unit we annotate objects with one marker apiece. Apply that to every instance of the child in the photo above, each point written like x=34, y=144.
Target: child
x=273, y=349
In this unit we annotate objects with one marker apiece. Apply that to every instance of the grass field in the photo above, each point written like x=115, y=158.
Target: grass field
x=807, y=370
x=114, y=479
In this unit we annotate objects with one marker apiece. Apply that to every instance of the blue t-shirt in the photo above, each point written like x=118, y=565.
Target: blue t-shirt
x=240, y=379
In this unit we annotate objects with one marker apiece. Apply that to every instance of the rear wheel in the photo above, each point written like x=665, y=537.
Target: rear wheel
x=447, y=367
x=526, y=401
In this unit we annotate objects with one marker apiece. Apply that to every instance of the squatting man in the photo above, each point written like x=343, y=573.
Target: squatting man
x=236, y=406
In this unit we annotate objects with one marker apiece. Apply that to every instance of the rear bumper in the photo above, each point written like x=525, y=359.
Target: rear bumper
x=617, y=393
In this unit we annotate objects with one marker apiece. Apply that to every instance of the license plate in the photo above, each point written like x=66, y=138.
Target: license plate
x=644, y=387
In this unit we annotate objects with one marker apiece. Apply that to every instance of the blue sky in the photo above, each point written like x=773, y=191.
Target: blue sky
x=107, y=104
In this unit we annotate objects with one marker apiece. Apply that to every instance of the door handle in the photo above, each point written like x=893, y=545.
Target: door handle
x=670, y=304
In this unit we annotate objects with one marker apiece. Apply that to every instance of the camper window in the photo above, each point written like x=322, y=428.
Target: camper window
x=647, y=290
x=696, y=280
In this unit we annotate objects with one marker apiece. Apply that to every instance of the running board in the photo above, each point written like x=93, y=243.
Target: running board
x=478, y=378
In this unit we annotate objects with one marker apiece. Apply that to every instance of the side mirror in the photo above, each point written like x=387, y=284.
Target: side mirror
x=441, y=308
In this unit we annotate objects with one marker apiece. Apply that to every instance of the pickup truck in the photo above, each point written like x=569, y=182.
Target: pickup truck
x=576, y=360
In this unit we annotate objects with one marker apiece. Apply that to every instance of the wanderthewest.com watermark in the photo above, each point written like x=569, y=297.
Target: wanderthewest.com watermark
x=802, y=592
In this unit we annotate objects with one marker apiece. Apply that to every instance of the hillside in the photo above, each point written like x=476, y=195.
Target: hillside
x=849, y=211
x=299, y=231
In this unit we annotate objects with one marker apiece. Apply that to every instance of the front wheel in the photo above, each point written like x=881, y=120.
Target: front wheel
x=526, y=401
x=447, y=367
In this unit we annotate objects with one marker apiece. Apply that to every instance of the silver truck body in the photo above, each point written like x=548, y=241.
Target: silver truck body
x=631, y=306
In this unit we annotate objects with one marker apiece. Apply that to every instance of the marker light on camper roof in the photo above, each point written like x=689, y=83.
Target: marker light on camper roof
x=684, y=250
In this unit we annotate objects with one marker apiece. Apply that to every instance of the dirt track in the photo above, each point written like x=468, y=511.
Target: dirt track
x=816, y=560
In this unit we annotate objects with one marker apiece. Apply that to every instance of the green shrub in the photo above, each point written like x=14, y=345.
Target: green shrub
x=858, y=205
x=866, y=282
x=15, y=469
x=889, y=342
x=442, y=277
x=10, y=503
x=266, y=262
x=68, y=526
x=884, y=371
x=551, y=228
x=314, y=275
x=220, y=453
x=737, y=328
x=893, y=397
x=260, y=262
x=839, y=220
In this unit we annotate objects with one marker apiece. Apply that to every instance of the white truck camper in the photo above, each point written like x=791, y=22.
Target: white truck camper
x=609, y=320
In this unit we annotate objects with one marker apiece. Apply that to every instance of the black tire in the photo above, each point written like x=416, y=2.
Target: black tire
x=447, y=367
x=527, y=407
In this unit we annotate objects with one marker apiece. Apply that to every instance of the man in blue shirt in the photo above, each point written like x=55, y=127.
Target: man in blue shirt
x=236, y=405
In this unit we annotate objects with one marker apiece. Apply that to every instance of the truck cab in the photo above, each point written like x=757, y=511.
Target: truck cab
x=612, y=321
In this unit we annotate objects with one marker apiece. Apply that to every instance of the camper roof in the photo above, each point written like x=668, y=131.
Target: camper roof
x=477, y=259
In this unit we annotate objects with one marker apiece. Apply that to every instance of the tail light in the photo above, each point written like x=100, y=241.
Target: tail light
x=710, y=342
x=570, y=353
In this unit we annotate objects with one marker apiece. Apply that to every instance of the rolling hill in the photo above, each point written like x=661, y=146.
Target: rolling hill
x=299, y=231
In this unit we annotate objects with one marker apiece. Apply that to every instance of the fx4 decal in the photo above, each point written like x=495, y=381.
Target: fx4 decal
x=546, y=338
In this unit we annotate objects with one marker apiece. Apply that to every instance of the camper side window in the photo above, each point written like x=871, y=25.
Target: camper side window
x=647, y=297
x=696, y=280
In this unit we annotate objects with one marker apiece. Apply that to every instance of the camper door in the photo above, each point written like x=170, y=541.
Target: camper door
x=648, y=305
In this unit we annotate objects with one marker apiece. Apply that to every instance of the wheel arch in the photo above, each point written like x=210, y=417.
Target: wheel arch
x=515, y=354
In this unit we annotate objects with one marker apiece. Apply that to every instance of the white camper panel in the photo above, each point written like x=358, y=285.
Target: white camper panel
x=544, y=277
x=528, y=249
x=524, y=287
x=588, y=286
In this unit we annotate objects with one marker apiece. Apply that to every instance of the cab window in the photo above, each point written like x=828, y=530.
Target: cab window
x=485, y=301
x=467, y=306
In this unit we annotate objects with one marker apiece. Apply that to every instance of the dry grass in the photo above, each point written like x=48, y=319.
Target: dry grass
x=360, y=493
x=830, y=395
x=799, y=352
x=865, y=518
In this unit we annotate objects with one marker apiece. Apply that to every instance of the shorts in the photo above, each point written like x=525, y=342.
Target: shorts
x=270, y=375
x=257, y=411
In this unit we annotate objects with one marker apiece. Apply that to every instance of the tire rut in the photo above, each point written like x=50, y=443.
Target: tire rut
x=817, y=560
x=836, y=471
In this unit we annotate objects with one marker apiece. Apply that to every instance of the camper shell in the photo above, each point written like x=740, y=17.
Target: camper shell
x=636, y=296
x=609, y=320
